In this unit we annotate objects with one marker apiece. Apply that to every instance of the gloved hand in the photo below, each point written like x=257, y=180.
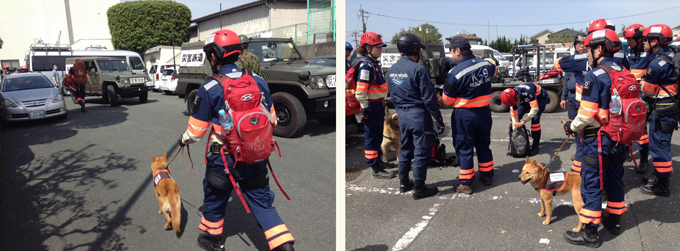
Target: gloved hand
x=364, y=114
x=567, y=128
x=181, y=144
x=441, y=126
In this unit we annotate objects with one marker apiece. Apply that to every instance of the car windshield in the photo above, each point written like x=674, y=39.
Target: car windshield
x=322, y=61
x=499, y=56
x=25, y=82
x=110, y=65
x=274, y=51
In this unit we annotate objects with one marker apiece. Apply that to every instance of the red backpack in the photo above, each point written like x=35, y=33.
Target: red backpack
x=250, y=140
x=628, y=125
x=80, y=72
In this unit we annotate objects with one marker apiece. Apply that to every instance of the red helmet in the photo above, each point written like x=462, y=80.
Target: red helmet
x=509, y=97
x=222, y=43
x=370, y=38
x=660, y=31
x=5, y=67
x=634, y=31
x=609, y=38
x=24, y=67
x=600, y=24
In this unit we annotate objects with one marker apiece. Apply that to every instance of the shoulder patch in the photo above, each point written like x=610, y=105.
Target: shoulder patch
x=616, y=67
x=587, y=88
x=662, y=63
x=234, y=75
x=197, y=103
x=364, y=75
x=599, y=72
x=643, y=54
x=618, y=55
x=580, y=56
x=210, y=84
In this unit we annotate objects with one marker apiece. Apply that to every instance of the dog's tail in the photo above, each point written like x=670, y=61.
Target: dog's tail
x=175, y=207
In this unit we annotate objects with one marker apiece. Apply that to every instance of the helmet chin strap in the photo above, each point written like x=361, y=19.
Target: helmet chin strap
x=595, y=60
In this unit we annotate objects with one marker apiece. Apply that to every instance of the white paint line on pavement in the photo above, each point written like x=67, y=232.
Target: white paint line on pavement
x=458, y=196
x=414, y=231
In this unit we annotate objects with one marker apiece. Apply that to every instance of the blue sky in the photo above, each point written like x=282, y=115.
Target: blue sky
x=504, y=12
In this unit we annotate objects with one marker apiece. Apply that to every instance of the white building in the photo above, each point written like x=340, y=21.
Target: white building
x=159, y=55
x=265, y=18
x=79, y=23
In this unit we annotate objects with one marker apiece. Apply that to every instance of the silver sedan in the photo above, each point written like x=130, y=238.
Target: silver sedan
x=29, y=96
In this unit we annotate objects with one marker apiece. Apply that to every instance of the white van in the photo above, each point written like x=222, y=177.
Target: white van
x=483, y=50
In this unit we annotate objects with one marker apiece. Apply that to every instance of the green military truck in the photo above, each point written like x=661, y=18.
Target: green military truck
x=300, y=91
x=112, y=78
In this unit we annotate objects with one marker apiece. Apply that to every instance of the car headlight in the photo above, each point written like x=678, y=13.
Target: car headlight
x=9, y=104
x=312, y=82
x=319, y=82
x=125, y=81
x=58, y=98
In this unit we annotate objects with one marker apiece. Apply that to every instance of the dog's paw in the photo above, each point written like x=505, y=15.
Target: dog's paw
x=541, y=214
x=546, y=222
x=159, y=211
x=167, y=226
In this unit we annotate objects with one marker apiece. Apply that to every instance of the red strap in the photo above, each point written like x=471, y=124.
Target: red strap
x=277, y=180
x=630, y=149
x=233, y=182
x=599, y=155
x=278, y=148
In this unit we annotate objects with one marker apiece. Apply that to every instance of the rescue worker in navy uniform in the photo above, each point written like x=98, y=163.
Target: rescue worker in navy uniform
x=593, y=112
x=639, y=61
x=348, y=52
x=574, y=67
x=222, y=49
x=413, y=95
x=468, y=90
x=599, y=24
x=663, y=122
x=526, y=99
x=571, y=79
x=371, y=92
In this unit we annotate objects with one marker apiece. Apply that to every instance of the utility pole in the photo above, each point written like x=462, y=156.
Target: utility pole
x=363, y=21
x=220, y=16
x=356, y=35
x=172, y=12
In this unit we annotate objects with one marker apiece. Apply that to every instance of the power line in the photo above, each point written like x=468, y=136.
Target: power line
x=519, y=25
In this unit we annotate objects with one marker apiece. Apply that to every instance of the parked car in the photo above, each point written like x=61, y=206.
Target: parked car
x=155, y=73
x=168, y=82
x=30, y=96
x=322, y=60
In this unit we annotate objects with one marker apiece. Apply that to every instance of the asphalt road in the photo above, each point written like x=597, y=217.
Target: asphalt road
x=499, y=217
x=84, y=183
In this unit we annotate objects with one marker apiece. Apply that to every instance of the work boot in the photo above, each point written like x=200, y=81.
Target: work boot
x=534, y=148
x=586, y=237
x=82, y=107
x=380, y=173
x=211, y=243
x=643, y=166
x=485, y=180
x=613, y=224
x=422, y=191
x=462, y=188
x=405, y=184
x=658, y=187
x=285, y=247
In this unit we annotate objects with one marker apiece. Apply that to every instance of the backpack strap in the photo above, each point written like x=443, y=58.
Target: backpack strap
x=606, y=68
x=669, y=60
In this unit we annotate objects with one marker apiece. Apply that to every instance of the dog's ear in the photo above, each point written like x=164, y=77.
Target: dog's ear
x=528, y=160
x=394, y=116
x=153, y=157
x=165, y=156
x=534, y=163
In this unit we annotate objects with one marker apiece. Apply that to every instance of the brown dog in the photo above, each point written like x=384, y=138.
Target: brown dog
x=549, y=184
x=391, y=135
x=167, y=192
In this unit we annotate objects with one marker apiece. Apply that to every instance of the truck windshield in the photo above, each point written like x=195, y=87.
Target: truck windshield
x=274, y=51
x=110, y=65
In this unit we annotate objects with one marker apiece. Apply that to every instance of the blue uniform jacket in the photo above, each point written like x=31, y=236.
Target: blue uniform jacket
x=620, y=58
x=410, y=86
x=660, y=73
x=470, y=83
x=639, y=61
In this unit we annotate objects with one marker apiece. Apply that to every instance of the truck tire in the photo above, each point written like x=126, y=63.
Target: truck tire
x=190, y=100
x=496, y=104
x=328, y=119
x=290, y=115
x=144, y=97
x=552, y=102
x=111, y=93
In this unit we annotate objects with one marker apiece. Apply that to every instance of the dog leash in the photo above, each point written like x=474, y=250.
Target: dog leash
x=188, y=153
x=558, y=151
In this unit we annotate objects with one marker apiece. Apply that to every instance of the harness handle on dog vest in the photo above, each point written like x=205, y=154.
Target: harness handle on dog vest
x=233, y=182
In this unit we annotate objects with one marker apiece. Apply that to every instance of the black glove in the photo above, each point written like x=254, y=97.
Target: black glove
x=567, y=128
x=180, y=142
x=364, y=114
x=441, y=126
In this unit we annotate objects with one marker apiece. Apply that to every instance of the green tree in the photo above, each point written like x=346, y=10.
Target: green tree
x=426, y=32
x=623, y=29
x=140, y=25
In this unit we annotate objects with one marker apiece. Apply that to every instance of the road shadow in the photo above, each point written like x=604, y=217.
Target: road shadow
x=379, y=247
x=51, y=202
x=124, y=101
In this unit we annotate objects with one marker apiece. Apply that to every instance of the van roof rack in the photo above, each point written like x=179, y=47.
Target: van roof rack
x=40, y=45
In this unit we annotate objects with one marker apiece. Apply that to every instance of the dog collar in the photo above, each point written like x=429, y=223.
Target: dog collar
x=160, y=176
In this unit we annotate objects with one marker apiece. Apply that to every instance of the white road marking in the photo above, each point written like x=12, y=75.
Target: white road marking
x=414, y=231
